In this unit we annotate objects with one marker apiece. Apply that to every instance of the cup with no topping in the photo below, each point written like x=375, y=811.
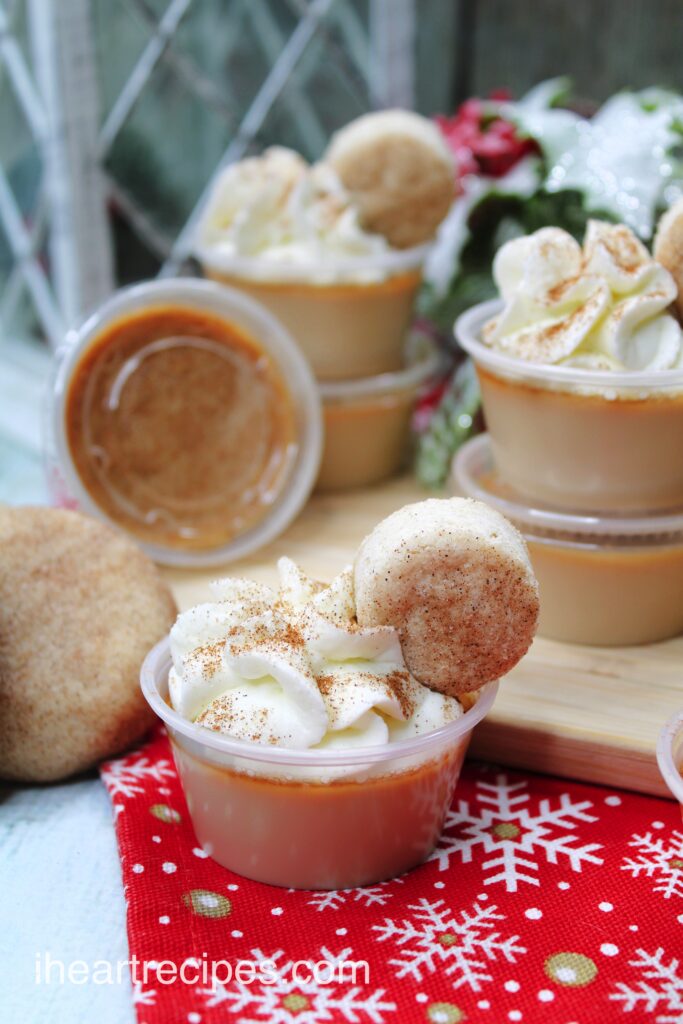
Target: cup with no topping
x=581, y=371
x=185, y=414
x=367, y=421
x=604, y=580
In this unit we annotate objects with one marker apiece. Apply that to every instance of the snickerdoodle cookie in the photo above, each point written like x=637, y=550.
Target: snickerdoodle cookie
x=453, y=576
x=667, y=248
x=80, y=606
x=399, y=172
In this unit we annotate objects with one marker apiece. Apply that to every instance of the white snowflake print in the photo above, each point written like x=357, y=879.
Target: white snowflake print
x=123, y=777
x=660, y=859
x=289, y=998
x=661, y=992
x=434, y=939
x=143, y=997
x=369, y=896
x=513, y=835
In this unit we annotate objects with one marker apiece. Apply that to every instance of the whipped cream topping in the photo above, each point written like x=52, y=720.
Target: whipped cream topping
x=293, y=669
x=603, y=306
x=286, y=216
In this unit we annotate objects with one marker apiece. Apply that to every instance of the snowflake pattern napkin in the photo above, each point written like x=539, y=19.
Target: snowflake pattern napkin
x=546, y=900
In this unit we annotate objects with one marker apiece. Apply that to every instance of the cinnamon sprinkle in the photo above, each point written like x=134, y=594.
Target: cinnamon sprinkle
x=209, y=656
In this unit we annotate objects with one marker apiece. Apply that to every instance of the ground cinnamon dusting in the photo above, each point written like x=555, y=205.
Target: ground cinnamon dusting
x=325, y=683
x=209, y=656
x=397, y=681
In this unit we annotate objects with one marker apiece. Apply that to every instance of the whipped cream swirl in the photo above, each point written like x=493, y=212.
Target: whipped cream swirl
x=286, y=216
x=603, y=306
x=293, y=668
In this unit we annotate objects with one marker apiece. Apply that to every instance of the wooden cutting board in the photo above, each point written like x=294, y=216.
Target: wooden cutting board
x=582, y=712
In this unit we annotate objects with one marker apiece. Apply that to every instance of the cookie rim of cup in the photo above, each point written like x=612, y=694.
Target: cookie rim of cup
x=467, y=331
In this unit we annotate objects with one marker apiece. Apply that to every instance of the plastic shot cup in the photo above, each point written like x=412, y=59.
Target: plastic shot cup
x=578, y=439
x=604, y=580
x=349, y=317
x=308, y=819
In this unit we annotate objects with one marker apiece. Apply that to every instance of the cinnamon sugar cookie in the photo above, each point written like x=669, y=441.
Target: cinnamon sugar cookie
x=80, y=606
x=454, y=577
x=399, y=172
x=667, y=249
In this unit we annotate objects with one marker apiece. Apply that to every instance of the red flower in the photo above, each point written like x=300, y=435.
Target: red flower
x=483, y=142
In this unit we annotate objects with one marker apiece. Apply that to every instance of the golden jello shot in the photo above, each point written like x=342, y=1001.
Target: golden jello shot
x=581, y=370
x=604, y=580
x=317, y=729
x=367, y=421
x=335, y=250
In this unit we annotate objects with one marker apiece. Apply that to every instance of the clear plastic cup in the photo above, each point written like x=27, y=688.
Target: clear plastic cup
x=185, y=490
x=670, y=756
x=585, y=440
x=604, y=580
x=309, y=819
x=349, y=317
x=367, y=422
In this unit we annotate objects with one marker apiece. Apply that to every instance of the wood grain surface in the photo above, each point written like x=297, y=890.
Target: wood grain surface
x=582, y=712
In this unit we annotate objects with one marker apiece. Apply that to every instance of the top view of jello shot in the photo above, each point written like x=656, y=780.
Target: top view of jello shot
x=580, y=363
x=319, y=730
x=335, y=250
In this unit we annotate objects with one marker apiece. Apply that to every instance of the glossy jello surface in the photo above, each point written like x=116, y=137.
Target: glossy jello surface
x=179, y=426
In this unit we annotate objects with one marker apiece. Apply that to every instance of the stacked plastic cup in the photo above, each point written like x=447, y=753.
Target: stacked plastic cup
x=351, y=320
x=588, y=464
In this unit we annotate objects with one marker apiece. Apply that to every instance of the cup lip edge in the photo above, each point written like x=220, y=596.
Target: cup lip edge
x=555, y=521
x=335, y=270
x=465, y=330
x=664, y=750
x=411, y=376
x=304, y=393
x=283, y=756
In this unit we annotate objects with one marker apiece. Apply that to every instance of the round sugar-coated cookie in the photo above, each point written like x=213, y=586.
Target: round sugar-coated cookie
x=399, y=172
x=80, y=606
x=453, y=576
x=668, y=248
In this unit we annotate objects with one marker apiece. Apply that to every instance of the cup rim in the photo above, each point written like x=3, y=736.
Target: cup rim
x=154, y=671
x=424, y=362
x=291, y=365
x=467, y=330
x=325, y=271
x=473, y=459
x=665, y=759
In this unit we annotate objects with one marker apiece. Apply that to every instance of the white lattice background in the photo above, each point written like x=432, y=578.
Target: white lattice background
x=114, y=117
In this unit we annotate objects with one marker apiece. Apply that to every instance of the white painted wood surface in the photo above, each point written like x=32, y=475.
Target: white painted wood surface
x=60, y=881
x=60, y=878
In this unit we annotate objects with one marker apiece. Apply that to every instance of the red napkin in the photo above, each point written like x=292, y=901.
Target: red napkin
x=546, y=901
